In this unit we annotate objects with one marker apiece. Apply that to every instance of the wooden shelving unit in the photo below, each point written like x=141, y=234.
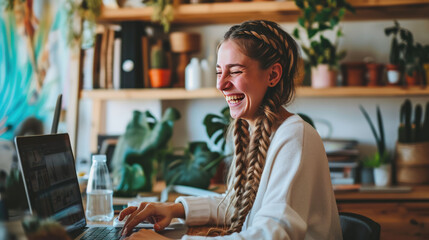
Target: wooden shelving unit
x=234, y=12
x=180, y=93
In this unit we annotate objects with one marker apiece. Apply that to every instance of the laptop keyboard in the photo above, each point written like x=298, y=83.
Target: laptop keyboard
x=104, y=233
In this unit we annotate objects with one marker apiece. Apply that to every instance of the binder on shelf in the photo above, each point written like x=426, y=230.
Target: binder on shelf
x=131, y=57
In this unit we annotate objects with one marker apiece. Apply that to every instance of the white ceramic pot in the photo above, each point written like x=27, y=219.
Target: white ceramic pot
x=393, y=76
x=382, y=175
x=323, y=77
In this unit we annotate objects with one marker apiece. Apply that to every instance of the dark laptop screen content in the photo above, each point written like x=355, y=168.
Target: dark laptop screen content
x=50, y=176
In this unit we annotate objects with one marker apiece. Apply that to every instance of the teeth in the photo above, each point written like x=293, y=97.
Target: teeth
x=234, y=98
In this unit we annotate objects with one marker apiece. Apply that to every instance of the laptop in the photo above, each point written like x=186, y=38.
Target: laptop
x=51, y=185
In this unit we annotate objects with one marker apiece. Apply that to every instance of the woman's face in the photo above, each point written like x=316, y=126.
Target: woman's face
x=241, y=80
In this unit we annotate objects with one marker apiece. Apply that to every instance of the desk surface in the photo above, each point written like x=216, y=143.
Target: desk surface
x=379, y=208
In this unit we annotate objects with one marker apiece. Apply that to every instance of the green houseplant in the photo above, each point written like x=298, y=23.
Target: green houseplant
x=196, y=164
x=163, y=12
x=318, y=19
x=404, y=55
x=140, y=149
x=380, y=161
x=192, y=166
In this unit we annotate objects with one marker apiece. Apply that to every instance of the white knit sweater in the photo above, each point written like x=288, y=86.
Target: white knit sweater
x=295, y=199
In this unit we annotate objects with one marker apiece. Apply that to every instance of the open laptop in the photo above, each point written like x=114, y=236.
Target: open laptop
x=51, y=184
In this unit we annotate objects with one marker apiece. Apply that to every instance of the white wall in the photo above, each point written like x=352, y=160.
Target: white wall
x=362, y=39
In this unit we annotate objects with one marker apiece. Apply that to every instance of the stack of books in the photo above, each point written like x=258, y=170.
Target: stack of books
x=343, y=160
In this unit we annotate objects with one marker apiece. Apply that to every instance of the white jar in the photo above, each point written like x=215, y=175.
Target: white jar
x=193, y=75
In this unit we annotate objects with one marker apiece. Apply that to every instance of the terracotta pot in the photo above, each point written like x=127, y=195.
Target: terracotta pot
x=393, y=74
x=354, y=73
x=412, y=163
x=412, y=80
x=160, y=78
x=323, y=77
x=374, y=74
x=185, y=42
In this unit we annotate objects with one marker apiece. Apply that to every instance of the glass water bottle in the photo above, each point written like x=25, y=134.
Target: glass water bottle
x=99, y=193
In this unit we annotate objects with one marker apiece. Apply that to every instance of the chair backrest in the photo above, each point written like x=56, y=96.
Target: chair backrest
x=358, y=227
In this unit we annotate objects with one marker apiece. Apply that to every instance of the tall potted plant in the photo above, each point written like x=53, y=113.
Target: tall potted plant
x=381, y=159
x=404, y=55
x=318, y=19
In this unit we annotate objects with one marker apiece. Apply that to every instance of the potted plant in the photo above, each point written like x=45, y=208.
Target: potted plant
x=192, y=166
x=139, y=150
x=159, y=72
x=412, y=147
x=424, y=58
x=394, y=66
x=216, y=128
x=410, y=57
x=380, y=161
x=320, y=17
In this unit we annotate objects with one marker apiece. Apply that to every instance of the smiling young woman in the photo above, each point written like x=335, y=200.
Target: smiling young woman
x=279, y=184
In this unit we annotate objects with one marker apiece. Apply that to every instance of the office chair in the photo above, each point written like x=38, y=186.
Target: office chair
x=358, y=227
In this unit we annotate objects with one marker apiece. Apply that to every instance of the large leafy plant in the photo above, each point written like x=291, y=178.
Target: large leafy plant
x=381, y=156
x=193, y=166
x=217, y=126
x=196, y=164
x=318, y=18
x=140, y=149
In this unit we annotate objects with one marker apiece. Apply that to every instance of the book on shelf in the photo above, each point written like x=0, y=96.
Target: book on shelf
x=119, y=58
x=116, y=78
x=131, y=55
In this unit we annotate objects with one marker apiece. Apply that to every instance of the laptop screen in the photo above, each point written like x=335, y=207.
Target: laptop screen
x=50, y=179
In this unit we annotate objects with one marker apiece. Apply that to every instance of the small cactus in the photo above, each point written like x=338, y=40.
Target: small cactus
x=158, y=57
x=413, y=131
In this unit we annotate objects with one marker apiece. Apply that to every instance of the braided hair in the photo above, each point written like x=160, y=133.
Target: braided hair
x=267, y=43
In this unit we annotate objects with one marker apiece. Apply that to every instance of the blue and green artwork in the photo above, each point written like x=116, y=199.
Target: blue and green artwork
x=34, y=59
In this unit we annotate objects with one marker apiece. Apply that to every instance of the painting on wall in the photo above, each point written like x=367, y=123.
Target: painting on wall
x=33, y=64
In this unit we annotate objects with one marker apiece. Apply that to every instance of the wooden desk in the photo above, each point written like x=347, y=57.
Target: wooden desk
x=403, y=216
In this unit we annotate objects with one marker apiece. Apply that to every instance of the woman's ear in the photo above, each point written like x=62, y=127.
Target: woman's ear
x=276, y=71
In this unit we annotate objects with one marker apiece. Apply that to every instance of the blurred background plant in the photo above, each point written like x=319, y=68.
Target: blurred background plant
x=141, y=150
x=413, y=129
x=381, y=156
x=320, y=18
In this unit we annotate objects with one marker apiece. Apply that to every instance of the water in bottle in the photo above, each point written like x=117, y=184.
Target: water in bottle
x=99, y=206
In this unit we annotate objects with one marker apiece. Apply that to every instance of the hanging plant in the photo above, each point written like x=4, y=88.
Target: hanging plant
x=81, y=20
x=163, y=12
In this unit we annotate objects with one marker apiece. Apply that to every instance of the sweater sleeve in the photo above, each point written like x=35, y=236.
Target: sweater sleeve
x=204, y=210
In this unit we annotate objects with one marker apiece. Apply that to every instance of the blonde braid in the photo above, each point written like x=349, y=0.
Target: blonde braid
x=268, y=41
x=241, y=133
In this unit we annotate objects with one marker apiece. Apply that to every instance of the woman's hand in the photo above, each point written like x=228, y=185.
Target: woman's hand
x=146, y=234
x=160, y=214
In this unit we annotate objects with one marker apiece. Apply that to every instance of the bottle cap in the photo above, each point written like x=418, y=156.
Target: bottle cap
x=99, y=158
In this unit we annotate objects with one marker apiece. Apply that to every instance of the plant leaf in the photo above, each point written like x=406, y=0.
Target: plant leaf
x=368, y=119
x=382, y=146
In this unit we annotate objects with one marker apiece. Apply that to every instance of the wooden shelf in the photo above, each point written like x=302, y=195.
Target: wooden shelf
x=234, y=12
x=180, y=93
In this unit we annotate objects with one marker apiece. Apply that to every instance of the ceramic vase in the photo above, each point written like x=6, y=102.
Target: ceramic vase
x=382, y=175
x=393, y=74
x=323, y=77
x=354, y=73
